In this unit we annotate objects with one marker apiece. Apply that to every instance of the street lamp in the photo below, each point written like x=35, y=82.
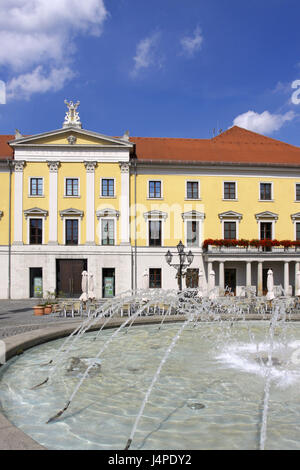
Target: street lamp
x=185, y=260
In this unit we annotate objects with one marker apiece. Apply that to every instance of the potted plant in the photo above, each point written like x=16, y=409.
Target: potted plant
x=38, y=310
x=50, y=301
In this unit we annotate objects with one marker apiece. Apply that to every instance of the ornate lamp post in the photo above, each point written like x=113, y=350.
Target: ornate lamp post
x=185, y=260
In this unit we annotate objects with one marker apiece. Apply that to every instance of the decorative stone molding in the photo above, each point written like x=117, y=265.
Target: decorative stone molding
x=71, y=213
x=1, y=214
x=230, y=215
x=19, y=165
x=155, y=215
x=266, y=215
x=295, y=217
x=193, y=215
x=53, y=166
x=124, y=167
x=35, y=212
x=107, y=213
x=72, y=139
x=90, y=166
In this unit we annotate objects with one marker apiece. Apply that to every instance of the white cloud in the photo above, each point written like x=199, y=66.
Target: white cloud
x=36, y=33
x=38, y=81
x=191, y=44
x=264, y=123
x=146, y=54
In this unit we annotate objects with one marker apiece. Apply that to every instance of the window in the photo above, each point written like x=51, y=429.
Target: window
x=265, y=191
x=155, y=278
x=297, y=192
x=229, y=190
x=107, y=188
x=36, y=231
x=154, y=233
x=71, y=232
x=36, y=186
x=229, y=230
x=155, y=189
x=266, y=230
x=107, y=232
x=192, y=278
x=298, y=231
x=192, y=190
x=72, y=187
x=192, y=238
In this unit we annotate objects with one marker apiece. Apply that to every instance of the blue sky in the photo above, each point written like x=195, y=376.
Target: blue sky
x=167, y=68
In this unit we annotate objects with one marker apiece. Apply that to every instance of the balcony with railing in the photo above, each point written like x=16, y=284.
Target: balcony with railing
x=251, y=247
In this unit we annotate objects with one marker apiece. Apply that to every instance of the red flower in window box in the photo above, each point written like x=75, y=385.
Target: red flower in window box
x=243, y=242
x=286, y=243
x=255, y=243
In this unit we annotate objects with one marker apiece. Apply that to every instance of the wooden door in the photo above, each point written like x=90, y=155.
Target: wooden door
x=69, y=276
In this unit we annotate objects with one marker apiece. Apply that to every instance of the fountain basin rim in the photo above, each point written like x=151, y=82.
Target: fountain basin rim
x=13, y=438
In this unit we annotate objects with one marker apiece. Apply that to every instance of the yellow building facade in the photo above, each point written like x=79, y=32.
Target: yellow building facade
x=74, y=200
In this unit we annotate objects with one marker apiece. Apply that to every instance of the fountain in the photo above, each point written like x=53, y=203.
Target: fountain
x=207, y=372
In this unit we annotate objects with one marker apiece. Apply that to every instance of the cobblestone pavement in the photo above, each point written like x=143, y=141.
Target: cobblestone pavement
x=16, y=316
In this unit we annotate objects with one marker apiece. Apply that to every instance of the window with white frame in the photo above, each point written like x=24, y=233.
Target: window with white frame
x=107, y=187
x=297, y=192
x=72, y=233
x=297, y=230
x=155, y=190
x=36, y=187
x=35, y=231
x=192, y=190
x=155, y=233
x=230, y=232
x=229, y=190
x=72, y=187
x=192, y=233
x=107, y=232
x=265, y=192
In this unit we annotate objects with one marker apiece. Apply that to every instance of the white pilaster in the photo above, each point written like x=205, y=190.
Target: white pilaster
x=18, y=203
x=124, y=203
x=90, y=202
x=260, y=279
x=286, y=277
x=53, y=196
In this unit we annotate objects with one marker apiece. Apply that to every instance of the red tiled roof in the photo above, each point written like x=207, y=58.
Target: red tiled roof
x=235, y=145
x=5, y=150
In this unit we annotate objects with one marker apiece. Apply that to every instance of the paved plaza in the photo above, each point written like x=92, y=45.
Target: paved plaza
x=16, y=316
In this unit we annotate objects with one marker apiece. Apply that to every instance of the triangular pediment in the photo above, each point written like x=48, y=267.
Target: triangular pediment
x=192, y=215
x=70, y=137
x=266, y=215
x=230, y=215
x=155, y=214
x=71, y=213
x=35, y=212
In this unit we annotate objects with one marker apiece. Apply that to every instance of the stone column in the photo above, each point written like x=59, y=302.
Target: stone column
x=124, y=203
x=286, y=278
x=260, y=279
x=18, y=202
x=90, y=202
x=297, y=266
x=248, y=275
x=221, y=278
x=53, y=197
